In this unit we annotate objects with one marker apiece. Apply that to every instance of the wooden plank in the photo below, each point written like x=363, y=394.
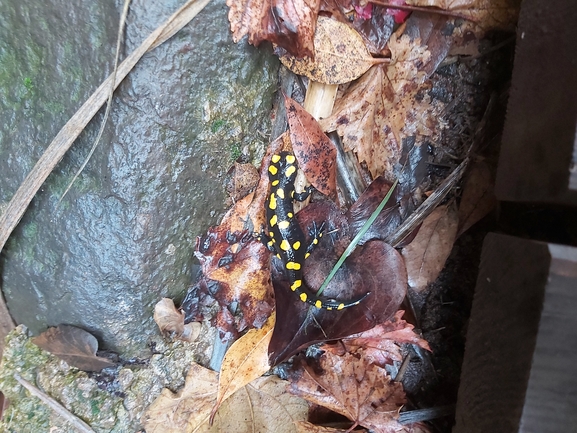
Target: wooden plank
x=537, y=162
x=518, y=371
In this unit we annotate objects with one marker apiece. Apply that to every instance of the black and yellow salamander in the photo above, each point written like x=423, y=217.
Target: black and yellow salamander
x=285, y=238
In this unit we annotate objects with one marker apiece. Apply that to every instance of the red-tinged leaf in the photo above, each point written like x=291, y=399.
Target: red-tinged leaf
x=314, y=151
x=380, y=345
x=287, y=23
x=375, y=267
x=349, y=385
x=234, y=264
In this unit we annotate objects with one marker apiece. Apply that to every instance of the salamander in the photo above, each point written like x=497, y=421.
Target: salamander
x=285, y=238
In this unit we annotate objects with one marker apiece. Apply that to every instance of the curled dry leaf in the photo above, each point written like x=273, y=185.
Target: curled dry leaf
x=189, y=408
x=170, y=320
x=426, y=255
x=244, y=361
x=74, y=345
x=351, y=386
x=288, y=23
x=340, y=55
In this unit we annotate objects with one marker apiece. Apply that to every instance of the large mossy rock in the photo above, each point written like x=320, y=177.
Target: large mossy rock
x=124, y=235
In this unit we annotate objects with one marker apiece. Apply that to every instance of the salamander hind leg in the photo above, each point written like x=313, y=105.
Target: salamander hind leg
x=315, y=233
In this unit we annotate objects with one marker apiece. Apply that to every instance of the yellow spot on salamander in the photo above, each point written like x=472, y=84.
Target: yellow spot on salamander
x=297, y=245
x=280, y=193
x=272, y=222
x=278, y=256
x=270, y=243
x=284, y=225
x=329, y=308
x=275, y=182
x=293, y=265
x=272, y=169
x=284, y=245
x=289, y=170
x=318, y=304
x=271, y=234
x=341, y=306
x=290, y=215
x=296, y=285
x=303, y=297
x=307, y=255
x=275, y=158
x=272, y=202
x=315, y=241
x=290, y=159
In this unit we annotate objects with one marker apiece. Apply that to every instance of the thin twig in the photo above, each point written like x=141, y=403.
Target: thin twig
x=121, y=26
x=72, y=419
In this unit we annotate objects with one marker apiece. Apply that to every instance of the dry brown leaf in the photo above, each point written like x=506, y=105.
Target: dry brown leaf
x=245, y=361
x=263, y=406
x=315, y=152
x=351, y=386
x=177, y=412
x=487, y=14
x=426, y=255
x=74, y=345
x=340, y=55
x=381, y=109
x=307, y=427
x=287, y=23
x=170, y=320
x=478, y=197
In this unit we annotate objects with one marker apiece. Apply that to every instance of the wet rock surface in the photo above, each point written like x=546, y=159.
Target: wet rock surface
x=123, y=236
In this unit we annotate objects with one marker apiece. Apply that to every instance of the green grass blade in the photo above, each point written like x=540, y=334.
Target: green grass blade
x=357, y=238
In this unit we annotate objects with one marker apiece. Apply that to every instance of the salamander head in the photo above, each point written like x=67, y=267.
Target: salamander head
x=283, y=166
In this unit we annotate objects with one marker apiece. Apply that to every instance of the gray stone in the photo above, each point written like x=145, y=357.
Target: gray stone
x=123, y=237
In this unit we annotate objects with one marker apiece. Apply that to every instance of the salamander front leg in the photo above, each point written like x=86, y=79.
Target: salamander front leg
x=302, y=196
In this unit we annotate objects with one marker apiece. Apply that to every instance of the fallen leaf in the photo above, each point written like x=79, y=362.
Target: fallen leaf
x=244, y=361
x=478, y=198
x=340, y=55
x=374, y=267
x=170, y=320
x=263, y=406
x=351, y=386
x=288, y=23
x=74, y=345
x=241, y=180
x=315, y=152
x=235, y=265
x=426, y=255
x=380, y=345
x=486, y=14
x=191, y=406
x=380, y=109
x=307, y=427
